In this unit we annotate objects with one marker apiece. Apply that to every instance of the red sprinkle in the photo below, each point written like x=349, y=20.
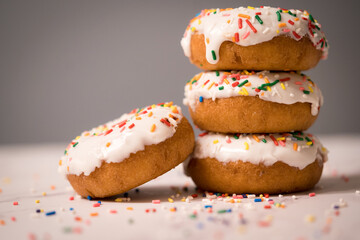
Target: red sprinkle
x=71, y=198
x=234, y=84
x=165, y=122
x=96, y=205
x=267, y=206
x=108, y=132
x=296, y=35
x=203, y=134
x=258, y=13
x=206, y=82
x=291, y=22
x=274, y=140
x=132, y=125
x=155, y=201
x=15, y=203
x=194, y=195
x=251, y=26
x=312, y=194
x=266, y=195
x=257, y=90
x=236, y=37
x=113, y=211
x=284, y=79
x=122, y=123
x=240, y=23
x=13, y=219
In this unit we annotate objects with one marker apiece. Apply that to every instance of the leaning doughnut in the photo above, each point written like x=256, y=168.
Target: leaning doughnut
x=254, y=38
x=249, y=102
x=257, y=163
x=127, y=152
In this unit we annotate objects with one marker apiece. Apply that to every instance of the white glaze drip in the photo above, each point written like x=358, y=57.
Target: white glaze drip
x=288, y=90
x=246, y=148
x=87, y=152
x=221, y=25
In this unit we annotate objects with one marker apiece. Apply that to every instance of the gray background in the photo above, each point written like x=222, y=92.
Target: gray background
x=67, y=66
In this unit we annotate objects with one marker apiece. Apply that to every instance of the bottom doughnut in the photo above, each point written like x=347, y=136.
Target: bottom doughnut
x=242, y=177
x=256, y=163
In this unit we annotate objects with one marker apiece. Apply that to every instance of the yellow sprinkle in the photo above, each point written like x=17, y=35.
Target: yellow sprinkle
x=246, y=72
x=285, y=11
x=261, y=195
x=268, y=88
x=77, y=138
x=129, y=208
x=138, y=118
x=150, y=114
x=190, y=87
x=153, y=127
x=282, y=85
x=199, y=21
x=226, y=81
x=174, y=109
x=281, y=139
x=250, y=7
x=212, y=84
x=309, y=143
x=94, y=214
x=153, y=106
x=118, y=200
x=244, y=16
x=37, y=201
x=41, y=210
x=108, y=144
x=310, y=218
x=282, y=25
x=311, y=90
x=246, y=146
x=193, y=29
x=295, y=146
x=238, y=201
x=86, y=134
x=266, y=80
x=256, y=138
x=183, y=199
x=243, y=91
x=60, y=162
x=277, y=31
x=44, y=193
x=171, y=200
x=215, y=141
x=207, y=40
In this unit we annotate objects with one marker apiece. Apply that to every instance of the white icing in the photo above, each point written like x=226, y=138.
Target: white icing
x=226, y=148
x=92, y=150
x=221, y=25
x=287, y=92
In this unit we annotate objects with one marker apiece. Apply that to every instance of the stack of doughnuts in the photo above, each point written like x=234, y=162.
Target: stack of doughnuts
x=252, y=101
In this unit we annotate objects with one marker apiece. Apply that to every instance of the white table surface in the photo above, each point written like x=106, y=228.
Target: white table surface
x=26, y=171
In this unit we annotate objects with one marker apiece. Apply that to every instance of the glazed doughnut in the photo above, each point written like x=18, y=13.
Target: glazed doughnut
x=127, y=152
x=254, y=38
x=257, y=163
x=249, y=102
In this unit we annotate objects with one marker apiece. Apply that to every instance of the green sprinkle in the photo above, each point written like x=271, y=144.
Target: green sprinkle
x=278, y=16
x=262, y=87
x=264, y=140
x=243, y=83
x=292, y=14
x=259, y=19
x=75, y=144
x=234, y=79
x=192, y=216
x=311, y=18
x=215, y=12
x=299, y=138
x=236, y=137
x=217, y=73
x=194, y=81
x=201, y=64
x=65, y=152
x=221, y=211
x=308, y=139
x=306, y=92
x=221, y=88
x=213, y=54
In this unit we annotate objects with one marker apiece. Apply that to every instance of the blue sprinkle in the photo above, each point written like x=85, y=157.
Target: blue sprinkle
x=71, y=209
x=201, y=99
x=228, y=210
x=204, y=195
x=257, y=200
x=197, y=14
x=208, y=206
x=270, y=200
x=50, y=213
x=200, y=225
x=244, y=195
x=89, y=198
x=336, y=207
x=99, y=202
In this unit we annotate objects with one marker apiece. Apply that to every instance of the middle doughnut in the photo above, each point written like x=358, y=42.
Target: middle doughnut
x=252, y=102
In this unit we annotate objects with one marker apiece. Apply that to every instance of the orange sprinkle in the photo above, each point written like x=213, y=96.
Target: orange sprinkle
x=226, y=81
x=174, y=109
x=266, y=80
x=138, y=118
x=282, y=25
x=153, y=127
x=296, y=19
x=212, y=84
x=2, y=222
x=94, y=214
x=68, y=168
x=262, y=94
x=228, y=21
x=52, y=187
x=87, y=134
x=261, y=76
x=295, y=146
x=150, y=114
x=244, y=16
x=129, y=208
x=79, y=219
x=256, y=138
x=248, y=84
x=60, y=162
x=108, y=144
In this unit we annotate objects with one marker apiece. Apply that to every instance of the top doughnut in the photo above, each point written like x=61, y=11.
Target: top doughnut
x=262, y=38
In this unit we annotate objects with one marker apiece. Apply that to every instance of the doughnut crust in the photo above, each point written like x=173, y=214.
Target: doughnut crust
x=282, y=53
x=243, y=177
x=250, y=114
x=115, y=178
